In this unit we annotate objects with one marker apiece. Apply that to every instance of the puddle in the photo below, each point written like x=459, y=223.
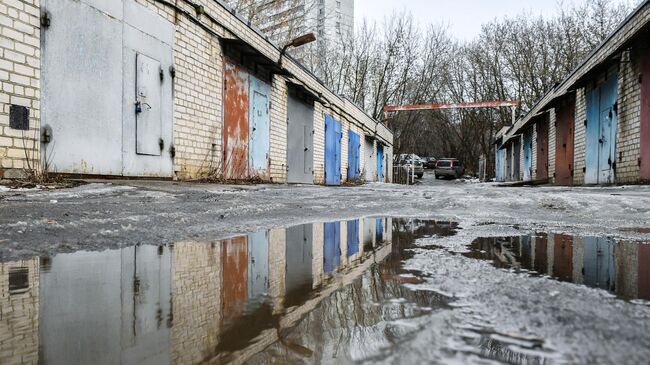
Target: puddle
x=277, y=295
x=620, y=267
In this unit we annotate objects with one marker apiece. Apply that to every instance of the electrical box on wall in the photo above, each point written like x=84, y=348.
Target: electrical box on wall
x=19, y=117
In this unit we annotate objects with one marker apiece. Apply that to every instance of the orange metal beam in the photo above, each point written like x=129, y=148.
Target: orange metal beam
x=483, y=104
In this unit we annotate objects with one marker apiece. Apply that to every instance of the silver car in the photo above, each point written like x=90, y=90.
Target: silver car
x=449, y=168
x=411, y=160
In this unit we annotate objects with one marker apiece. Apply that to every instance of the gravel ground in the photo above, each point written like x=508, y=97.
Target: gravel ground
x=102, y=215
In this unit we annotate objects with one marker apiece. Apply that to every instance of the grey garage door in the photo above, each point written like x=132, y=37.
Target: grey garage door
x=300, y=135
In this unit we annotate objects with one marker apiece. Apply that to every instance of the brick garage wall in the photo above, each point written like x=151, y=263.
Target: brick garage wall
x=628, y=144
x=579, y=138
x=551, y=146
x=19, y=84
x=319, y=143
x=198, y=101
x=278, y=136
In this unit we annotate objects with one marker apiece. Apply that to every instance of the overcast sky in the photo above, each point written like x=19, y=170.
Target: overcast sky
x=464, y=17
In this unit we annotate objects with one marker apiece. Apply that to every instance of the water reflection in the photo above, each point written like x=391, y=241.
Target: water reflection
x=621, y=267
x=192, y=302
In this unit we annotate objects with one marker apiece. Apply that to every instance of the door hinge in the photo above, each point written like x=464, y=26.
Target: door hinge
x=161, y=143
x=162, y=74
x=639, y=161
x=614, y=165
x=585, y=122
x=616, y=107
x=172, y=72
x=640, y=78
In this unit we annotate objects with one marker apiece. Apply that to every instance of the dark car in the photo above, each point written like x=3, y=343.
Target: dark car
x=449, y=168
x=430, y=163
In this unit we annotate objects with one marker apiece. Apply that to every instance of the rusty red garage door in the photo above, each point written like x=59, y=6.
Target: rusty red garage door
x=542, y=148
x=235, y=122
x=564, y=141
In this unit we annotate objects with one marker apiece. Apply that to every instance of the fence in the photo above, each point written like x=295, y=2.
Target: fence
x=404, y=175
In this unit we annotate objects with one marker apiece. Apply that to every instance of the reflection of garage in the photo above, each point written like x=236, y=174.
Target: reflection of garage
x=107, y=89
x=246, y=122
x=300, y=137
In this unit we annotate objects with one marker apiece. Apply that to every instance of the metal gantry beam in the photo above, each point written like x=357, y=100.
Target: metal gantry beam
x=474, y=105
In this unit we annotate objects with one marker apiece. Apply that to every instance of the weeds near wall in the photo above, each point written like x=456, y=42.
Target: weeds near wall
x=35, y=171
x=361, y=180
x=215, y=172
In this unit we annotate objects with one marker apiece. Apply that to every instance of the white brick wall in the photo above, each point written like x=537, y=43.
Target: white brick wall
x=319, y=143
x=579, y=138
x=551, y=146
x=278, y=137
x=628, y=144
x=19, y=84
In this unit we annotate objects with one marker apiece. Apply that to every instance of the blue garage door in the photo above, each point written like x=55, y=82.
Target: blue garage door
x=380, y=163
x=259, y=129
x=333, y=137
x=600, y=135
x=354, y=156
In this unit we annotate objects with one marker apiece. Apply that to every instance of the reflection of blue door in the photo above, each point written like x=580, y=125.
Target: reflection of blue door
x=333, y=137
x=380, y=163
x=599, y=263
x=332, y=247
x=528, y=156
x=259, y=128
x=379, y=230
x=354, y=154
x=600, y=134
x=258, y=266
x=353, y=237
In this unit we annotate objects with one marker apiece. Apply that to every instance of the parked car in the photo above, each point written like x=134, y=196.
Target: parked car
x=430, y=163
x=449, y=168
x=409, y=160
